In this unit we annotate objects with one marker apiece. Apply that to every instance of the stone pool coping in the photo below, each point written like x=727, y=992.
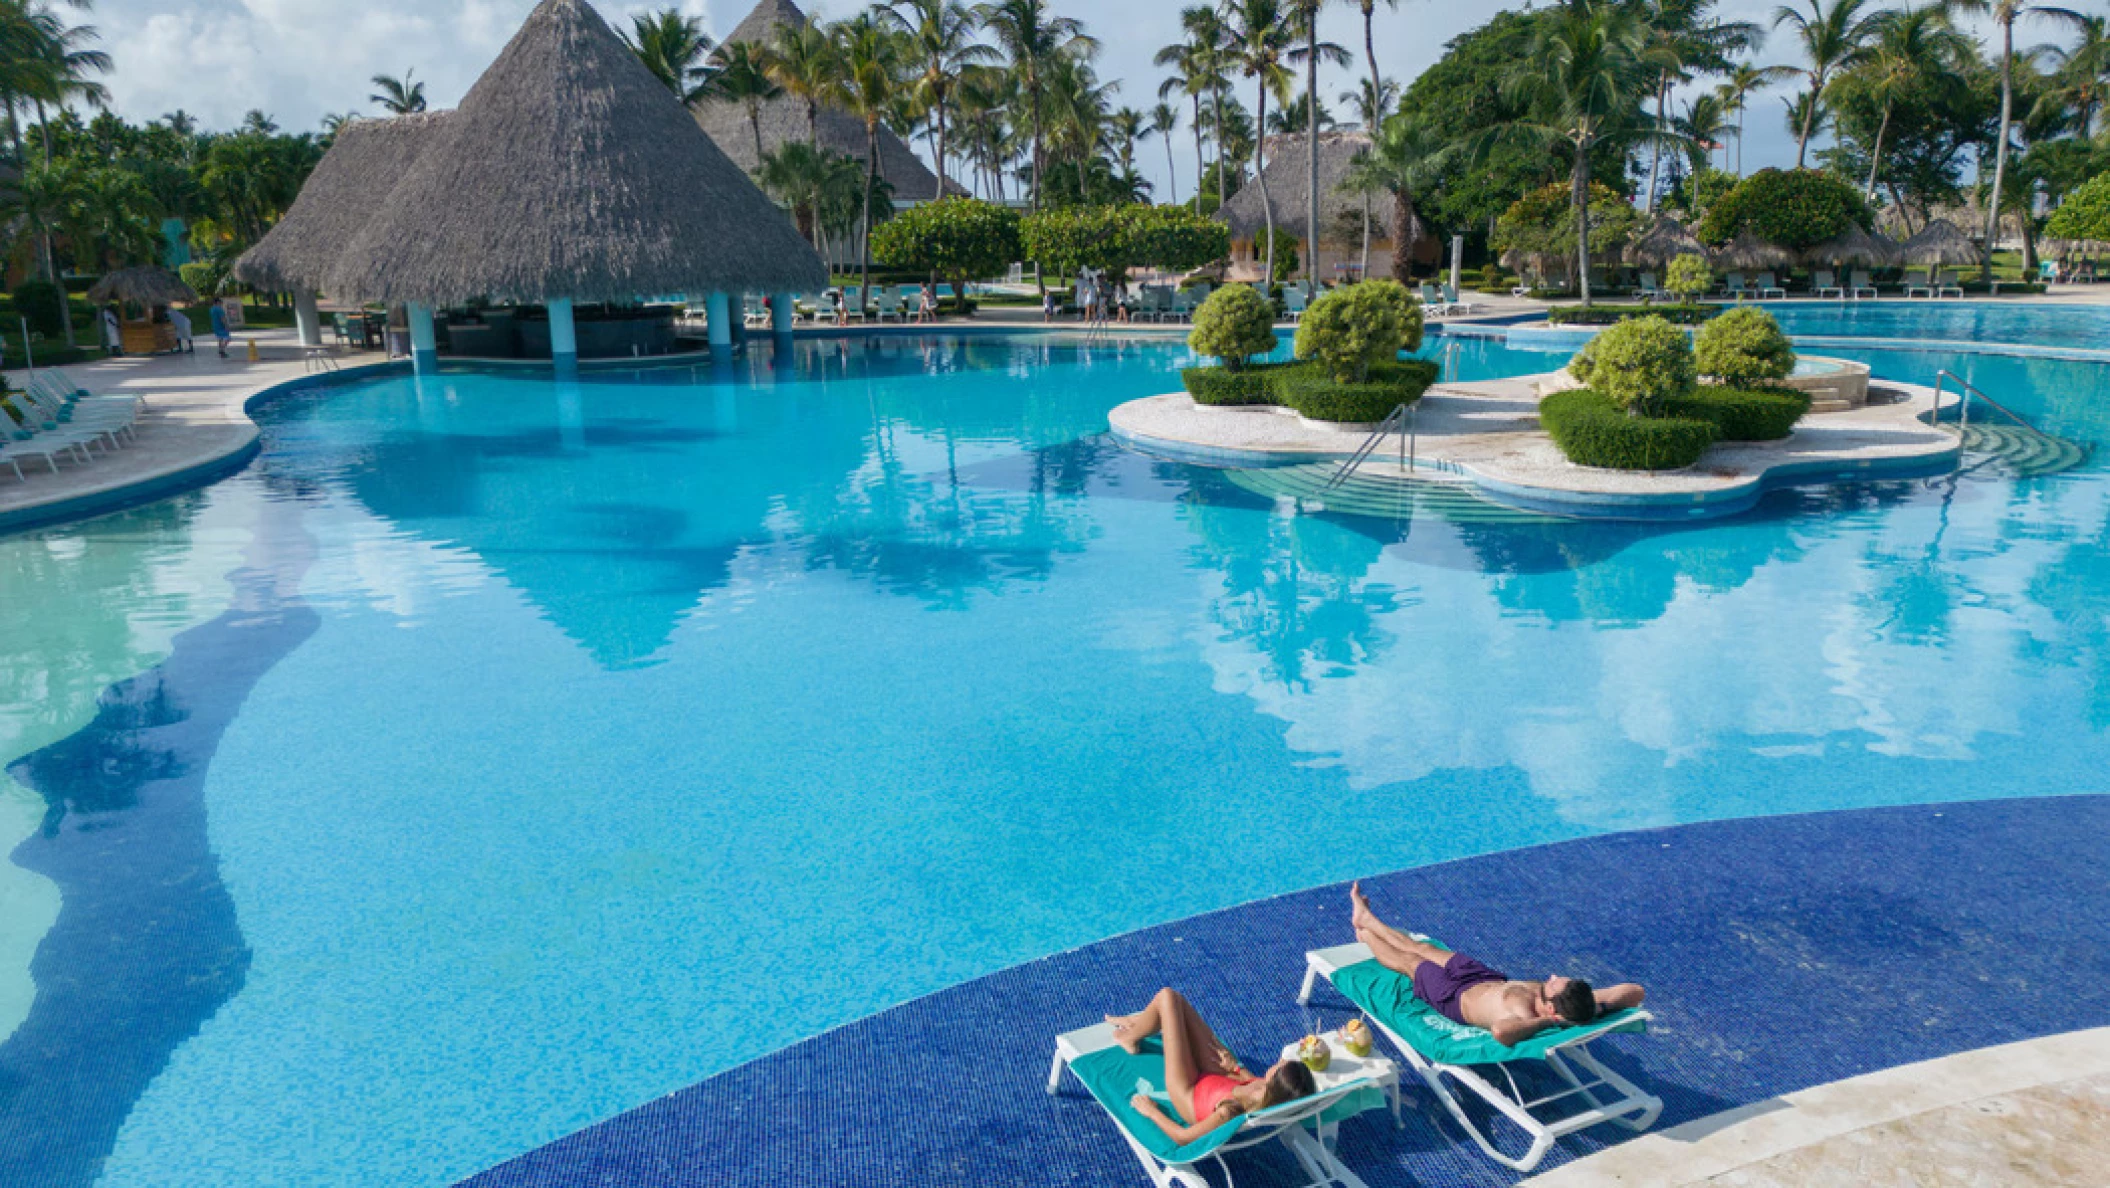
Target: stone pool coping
x=1487, y=434
x=1780, y=953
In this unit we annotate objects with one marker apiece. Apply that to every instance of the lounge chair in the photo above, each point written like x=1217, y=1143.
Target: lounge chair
x=752, y=312
x=105, y=420
x=1767, y=287
x=1733, y=286
x=1825, y=282
x=1297, y=300
x=1450, y=297
x=1863, y=285
x=1113, y=1076
x=1433, y=303
x=1925, y=287
x=854, y=303
x=1439, y=1049
x=1648, y=291
x=1184, y=303
x=888, y=305
x=1947, y=286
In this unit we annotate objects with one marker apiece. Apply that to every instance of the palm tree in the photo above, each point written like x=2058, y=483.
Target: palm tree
x=1684, y=42
x=49, y=63
x=1033, y=40
x=2081, y=84
x=941, y=46
x=1832, y=40
x=795, y=175
x=1377, y=87
x=1371, y=99
x=802, y=60
x=1201, y=63
x=1736, y=91
x=2005, y=13
x=399, y=96
x=1128, y=125
x=1313, y=51
x=1077, y=112
x=676, y=50
x=984, y=95
x=1583, y=76
x=1405, y=160
x=1704, y=124
x=742, y=76
x=867, y=85
x=1164, y=121
x=1912, y=48
x=1260, y=38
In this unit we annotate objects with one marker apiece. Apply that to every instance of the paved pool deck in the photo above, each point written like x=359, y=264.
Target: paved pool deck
x=1780, y=954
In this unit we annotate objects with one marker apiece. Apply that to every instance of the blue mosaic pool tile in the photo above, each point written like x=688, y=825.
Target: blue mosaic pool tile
x=1779, y=953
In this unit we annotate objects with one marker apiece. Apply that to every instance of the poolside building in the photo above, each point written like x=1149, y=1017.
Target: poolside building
x=569, y=176
x=1340, y=212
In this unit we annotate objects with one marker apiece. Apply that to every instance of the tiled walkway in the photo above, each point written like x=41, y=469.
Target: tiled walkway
x=1779, y=953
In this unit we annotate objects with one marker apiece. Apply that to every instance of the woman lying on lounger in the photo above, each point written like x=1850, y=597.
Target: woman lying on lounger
x=1206, y=1083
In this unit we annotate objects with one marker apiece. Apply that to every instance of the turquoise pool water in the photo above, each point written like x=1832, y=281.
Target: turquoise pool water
x=2085, y=327
x=592, y=738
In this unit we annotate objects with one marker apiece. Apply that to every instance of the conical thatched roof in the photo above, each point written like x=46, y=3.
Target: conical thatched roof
x=1662, y=243
x=784, y=119
x=1940, y=243
x=142, y=286
x=1287, y=183
x=352, y=181
x=1747, y=251
x=569, y=171
x=1854, y=246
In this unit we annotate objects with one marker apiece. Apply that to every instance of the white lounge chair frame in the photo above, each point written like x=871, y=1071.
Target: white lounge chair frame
x=1627, y=1105
x=1945, y=285
x=1768, y=283
x=1287, y=1123
x=1861, y=284
x=1458, y=304
x=1818, y=287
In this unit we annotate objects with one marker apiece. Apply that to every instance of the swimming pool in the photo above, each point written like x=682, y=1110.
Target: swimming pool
x=2035, y=324
x=496, y=754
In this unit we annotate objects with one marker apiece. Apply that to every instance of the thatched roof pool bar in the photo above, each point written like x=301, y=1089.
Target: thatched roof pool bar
x=570, y=174
x=353, y=180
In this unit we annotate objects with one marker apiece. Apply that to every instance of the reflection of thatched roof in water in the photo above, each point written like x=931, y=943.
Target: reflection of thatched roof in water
x=1662, y=243
x=1940, y=243
x=569, y=171
x=1748, y=251
x=142, y=286
x=1286, y=182
x=784, y=120
x=352, y=181
x=1854, y=246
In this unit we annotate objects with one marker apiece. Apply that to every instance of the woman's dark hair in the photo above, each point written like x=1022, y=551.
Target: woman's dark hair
x=1577, y=1002
x=1289, y=1083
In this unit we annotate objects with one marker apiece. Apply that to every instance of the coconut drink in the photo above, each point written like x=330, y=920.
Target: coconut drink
x=1313, y=1053
x=1355, y=1036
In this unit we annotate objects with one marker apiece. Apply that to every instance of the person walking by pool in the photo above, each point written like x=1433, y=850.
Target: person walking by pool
x=927, y=304
x=113, y=337
x=180, y=322
x=1088, y=299
x=221, y=334
x=842, y=310
x=1208, y=1086
x=1049, y=304
x=1469, y=993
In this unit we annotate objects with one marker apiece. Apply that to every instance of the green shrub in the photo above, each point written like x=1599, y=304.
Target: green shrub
x=1744, y=414
x=1795, y=208
x=955, y=239
x=204, y=276
x=1310, y=392
x=1611, y=315
x=1223, y=387
x=1592, y=430
x=1744, y=348
x=2085, y=214
x=1351, y=328
x=1642, y=363
x=1689, y=277
x=1491, y=276
x=41, y=303
x=1287, y=262
x=1233, y=325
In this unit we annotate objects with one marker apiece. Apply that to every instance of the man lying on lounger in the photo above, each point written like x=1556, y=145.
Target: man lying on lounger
x=1465, y=991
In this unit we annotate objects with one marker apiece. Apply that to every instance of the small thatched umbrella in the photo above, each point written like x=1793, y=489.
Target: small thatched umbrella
x=1942, y=245
x=149, y=289
x=570, y=173
x=1854, y=246
x=1662, y=243
x=1747, y=252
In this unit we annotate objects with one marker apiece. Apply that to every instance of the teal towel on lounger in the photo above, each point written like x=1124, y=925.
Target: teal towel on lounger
x=1389, y=998
x=1111, y=1075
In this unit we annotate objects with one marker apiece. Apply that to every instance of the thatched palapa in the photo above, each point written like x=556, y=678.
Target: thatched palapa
x=1747, y=251
x=1854, y=246
x=1662, y=243
x=570, y=172
x=1940, y=243
x=147, y=286
x=1340, y=209
x=353, y=181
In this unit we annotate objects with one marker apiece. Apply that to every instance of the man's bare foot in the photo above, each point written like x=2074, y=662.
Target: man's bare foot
x=1360, y=914
x=1125, y=1033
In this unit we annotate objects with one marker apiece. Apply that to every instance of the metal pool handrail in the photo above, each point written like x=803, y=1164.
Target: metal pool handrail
x=1401, y=421
x=1963, y=402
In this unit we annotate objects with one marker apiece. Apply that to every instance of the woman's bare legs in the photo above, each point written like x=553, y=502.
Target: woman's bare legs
x=1192, y=1050
x=1394, y=950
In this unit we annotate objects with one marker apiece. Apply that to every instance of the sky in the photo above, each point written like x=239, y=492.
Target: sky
x=299, y=60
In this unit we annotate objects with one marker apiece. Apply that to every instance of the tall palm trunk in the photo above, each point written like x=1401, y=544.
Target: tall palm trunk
x=1363, y=273
x=865, y=232
x=1201, y=167
x=1739, y=141
x=1311, y=143
x=1221, y=168
x=2007, y=108
x=1809, y=122
x=938, y=111
x=1875, y=160
x=1581, y=181
x=1655, y=153
x=1033, y=97
x=813, y=124
x=1172, y=170
x=1402, y=237
x=1377, y=89
x=754, y=124
x=1267, y=205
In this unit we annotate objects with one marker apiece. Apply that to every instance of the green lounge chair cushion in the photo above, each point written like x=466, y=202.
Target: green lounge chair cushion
x=1111, y=1075
x=1389, y=998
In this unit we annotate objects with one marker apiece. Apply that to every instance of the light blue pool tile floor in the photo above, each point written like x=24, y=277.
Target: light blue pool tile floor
x=554, y=747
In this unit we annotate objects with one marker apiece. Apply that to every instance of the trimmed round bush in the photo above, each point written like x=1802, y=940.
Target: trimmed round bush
x=1310, y=392
x=1349, y=329
x=1412, y=327
x=1593, y=430
x=1234, y=325
x=1744, y=348
x=1584, y=364
x=1223, y=387
x=1742, y=414
x=1641, y=364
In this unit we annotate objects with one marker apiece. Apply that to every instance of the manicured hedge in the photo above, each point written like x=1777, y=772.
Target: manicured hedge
x=1592, y=431
x=1220, y=386
x=1606, y=315
x=1307, y=390
x=1744, y=414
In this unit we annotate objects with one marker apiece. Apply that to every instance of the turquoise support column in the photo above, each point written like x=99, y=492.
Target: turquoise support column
x=308, y=317
x=563, y=336
x=719, y=308
x=424, y=345
x=783, y=311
